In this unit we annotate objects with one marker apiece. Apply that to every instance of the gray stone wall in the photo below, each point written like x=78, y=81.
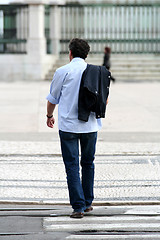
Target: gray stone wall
x=116, y=1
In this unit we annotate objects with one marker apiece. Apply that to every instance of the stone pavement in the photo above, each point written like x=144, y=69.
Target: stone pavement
x=42, y=178
x=133, y=107
x=128, y=149
x=127, y=167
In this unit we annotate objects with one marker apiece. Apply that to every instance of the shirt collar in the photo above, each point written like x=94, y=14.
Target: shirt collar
x=77, y=59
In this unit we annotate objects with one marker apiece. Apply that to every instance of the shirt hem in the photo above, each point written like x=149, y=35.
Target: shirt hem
x=85, y=131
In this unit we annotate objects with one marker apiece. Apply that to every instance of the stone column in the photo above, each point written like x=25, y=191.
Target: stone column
x=55, y=29
x=36, y=39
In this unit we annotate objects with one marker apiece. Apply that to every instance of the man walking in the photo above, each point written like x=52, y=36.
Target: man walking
x=64, y=91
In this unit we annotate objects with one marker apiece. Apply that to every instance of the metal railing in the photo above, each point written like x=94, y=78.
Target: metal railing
x=13, y=28
x=125, y=28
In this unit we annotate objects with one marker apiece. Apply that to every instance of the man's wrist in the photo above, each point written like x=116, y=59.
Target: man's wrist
x=49, y=116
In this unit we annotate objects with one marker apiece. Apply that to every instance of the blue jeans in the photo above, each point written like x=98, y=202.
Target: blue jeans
x=80, y=191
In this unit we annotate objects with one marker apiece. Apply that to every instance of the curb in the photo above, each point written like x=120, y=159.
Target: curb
x=95, y=203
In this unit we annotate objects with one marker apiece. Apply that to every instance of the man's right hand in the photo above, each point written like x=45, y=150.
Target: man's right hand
x=107, y=101
x=50, y=122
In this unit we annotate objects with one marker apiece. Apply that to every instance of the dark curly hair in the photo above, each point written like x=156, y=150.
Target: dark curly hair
x=79, y=48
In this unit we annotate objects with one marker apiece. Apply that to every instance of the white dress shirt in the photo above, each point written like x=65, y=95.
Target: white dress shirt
x=64, y=91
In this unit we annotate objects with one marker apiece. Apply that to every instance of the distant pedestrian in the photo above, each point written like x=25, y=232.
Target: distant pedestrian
x=65, y=91
x=106, y=60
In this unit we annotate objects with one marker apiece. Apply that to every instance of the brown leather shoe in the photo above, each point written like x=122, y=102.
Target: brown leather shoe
x=88, y=209
x=77, y=215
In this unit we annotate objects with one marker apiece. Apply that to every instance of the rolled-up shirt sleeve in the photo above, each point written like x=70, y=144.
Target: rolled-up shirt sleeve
x=55, y=89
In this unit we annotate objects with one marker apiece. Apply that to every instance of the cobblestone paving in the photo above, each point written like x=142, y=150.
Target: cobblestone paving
x=14, y=147
x=42, y=177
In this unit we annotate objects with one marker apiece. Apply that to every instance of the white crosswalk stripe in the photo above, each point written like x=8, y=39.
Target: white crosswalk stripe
x=112, y=222
x=105, y=227
x=114, y=237
x=109, y=219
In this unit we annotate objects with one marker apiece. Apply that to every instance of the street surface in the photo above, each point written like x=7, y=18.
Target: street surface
x=52, y=222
